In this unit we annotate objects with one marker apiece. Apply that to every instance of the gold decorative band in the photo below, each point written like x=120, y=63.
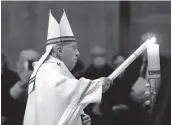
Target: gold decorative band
x=61, y=39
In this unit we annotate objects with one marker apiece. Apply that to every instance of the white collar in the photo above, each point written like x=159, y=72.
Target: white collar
x=54, y=60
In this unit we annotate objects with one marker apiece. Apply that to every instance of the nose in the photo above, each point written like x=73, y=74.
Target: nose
x=77, y=53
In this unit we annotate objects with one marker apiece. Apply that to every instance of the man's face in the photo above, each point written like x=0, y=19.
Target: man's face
x=99, y=61
x=70, y=55
x=119, y=60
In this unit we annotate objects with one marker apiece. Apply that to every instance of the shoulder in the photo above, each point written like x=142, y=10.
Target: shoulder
x=50, y=73
x=49, y=70
x=50, y=66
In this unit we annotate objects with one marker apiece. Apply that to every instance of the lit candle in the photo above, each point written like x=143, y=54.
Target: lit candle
x=153, y=61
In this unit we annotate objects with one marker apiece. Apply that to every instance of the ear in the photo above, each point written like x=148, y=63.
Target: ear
x=59, y=51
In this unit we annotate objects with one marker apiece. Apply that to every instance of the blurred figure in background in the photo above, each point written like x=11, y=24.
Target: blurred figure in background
x=122, y=105
x=24, y=70
x=17, y=91
x=98, y=68
x=8, y=79
x=135, y=100
x=117, y=60
x=117, y=89
x=114, y=106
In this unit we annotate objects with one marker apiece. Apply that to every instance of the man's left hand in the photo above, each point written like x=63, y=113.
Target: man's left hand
x=86, y=120
x=140, y=97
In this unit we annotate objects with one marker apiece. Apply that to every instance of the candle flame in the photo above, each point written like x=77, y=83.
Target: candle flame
x=151, y=40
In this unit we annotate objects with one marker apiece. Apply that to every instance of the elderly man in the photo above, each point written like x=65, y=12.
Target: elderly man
x=55, y=96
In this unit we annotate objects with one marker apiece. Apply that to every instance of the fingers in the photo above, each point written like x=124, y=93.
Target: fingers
x=107, y=81
x=86, y=120
x=106, y=84
x=140, y=97
x=86, y=117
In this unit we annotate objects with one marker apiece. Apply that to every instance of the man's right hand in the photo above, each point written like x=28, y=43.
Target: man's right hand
x=106, y=82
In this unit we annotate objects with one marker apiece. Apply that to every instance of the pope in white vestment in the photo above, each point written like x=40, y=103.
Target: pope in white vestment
x=55, y=97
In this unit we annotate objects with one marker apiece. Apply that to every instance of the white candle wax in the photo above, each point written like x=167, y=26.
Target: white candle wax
x=153, y=60
x=131, y=58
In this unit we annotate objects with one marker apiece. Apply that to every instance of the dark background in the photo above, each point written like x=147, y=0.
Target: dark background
x=116, y=25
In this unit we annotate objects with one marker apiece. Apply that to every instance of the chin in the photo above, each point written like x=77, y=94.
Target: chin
x=72, y=67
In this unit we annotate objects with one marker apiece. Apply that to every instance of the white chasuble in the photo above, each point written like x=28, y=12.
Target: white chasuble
x=57, y=98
